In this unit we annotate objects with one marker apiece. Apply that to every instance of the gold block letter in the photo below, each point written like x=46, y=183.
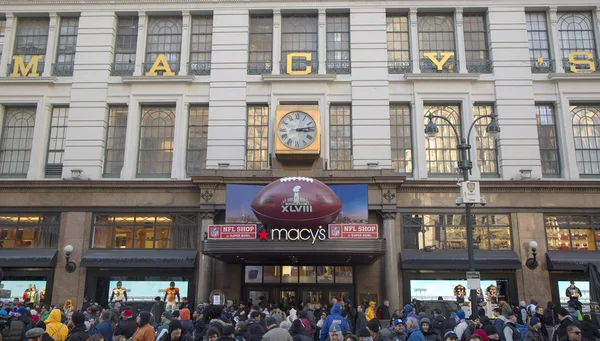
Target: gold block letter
x=439, y=63
x=290, y=57
x=160, y=64
x=589, y=61
x=20, y=70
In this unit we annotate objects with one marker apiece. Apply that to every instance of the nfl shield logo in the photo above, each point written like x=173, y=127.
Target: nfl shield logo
x=214, y=232
x=471, y=186
x=335, y=231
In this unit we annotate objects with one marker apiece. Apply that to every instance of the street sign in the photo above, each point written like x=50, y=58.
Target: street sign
x=473, y=280
x=470, y=192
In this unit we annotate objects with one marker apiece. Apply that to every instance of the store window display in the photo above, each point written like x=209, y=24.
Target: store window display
x=573, y=232
x=118, y=293
x=171, y=293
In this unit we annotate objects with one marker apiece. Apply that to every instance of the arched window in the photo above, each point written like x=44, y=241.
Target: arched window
x=164, y=37
x=586, y=133
x=17, y=138
x=576, y=33
x=441, y=152
x=155, y=155
x=436, y=34
x=299, y=33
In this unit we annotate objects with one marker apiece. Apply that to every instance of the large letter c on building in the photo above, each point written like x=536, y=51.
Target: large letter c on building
x=289, y=62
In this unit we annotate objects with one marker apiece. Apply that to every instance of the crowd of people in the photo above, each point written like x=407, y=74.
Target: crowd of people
x=266, y=321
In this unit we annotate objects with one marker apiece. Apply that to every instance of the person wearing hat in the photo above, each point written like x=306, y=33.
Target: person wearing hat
x=370, y=313
x=79, y=331
x=438, y=322
x=428, y=332
x=511, y=332
x=228, y=334
x=534, y=331
x=492, y=333
x=16, y=330
x=199, y=324
x=276, y=332
x=334, y=318
x=335, y=333
x=35, y=334
x=409, y=311
x=55, y=328
x=298, y=332
x=363, y=334
x=395, y=332
x=413, y=329
x=461, y=325
x=564, y=321
x=173, y=332
x=450, y=336
x=165, y=320
x=127, y=326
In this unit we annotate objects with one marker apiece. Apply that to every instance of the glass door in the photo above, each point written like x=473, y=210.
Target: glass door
x=255, y=295
x=312, y=296
x=286, y=297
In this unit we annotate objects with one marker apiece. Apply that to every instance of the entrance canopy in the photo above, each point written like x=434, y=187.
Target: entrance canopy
x=458, y=260
x=327, y=252
x=571, y=260
x=109, y=258
x=28, y=258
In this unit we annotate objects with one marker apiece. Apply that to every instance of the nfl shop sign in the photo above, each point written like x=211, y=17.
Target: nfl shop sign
x=248, y=231
x=353, y=231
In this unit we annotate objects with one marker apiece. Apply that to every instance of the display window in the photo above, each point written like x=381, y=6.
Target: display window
x=491, y=290
x=573, y=232
x=29, y=292
x=290, y=274
x=144, y=290
x=579, y=290
x=29, y=230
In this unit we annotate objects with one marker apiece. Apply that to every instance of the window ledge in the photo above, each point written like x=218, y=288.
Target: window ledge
x=13, y=80
x=442, y=76
x=302, y=78
x=158, y=79
x=574, y=76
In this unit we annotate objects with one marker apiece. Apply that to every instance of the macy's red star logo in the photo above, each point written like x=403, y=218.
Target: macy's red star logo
x=263, y=235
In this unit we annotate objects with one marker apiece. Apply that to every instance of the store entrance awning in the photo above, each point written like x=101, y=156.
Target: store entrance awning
x=107, y=258
x=571, y=260
x=28, y=258
x=325, y=252
x=458, y=260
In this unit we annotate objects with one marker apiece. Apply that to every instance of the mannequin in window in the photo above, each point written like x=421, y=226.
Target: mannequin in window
x=170, y=294
x=34, y=300
x=119, y=293
x=460, y=292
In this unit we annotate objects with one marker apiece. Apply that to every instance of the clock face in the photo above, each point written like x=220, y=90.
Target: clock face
x=297, y=130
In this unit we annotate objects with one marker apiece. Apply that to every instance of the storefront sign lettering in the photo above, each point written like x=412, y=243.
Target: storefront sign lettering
x=299, y=234
x=160, y=64
x=439, y=63
x=353, y=231
x=290, y=57
x=589, y=61
x=20, y=70
x=248, y=231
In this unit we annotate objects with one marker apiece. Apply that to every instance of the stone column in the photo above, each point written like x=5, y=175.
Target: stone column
x=179, y=170
x=140, y=51
x=51, y=46
x=413, y=40
x=322, y=41
x=596, y=19
x=276, y=66
x=7, y=48
x=460, y=54
x=185, y=43
x=555, y=41
x=391, y=260
x=41, y=131
x=205, y=263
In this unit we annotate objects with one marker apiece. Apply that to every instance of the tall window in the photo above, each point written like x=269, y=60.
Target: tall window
x=155, y=155
x=31, y=230
x=397, y=43
x=338, y=43
x=447, y=231
x=436, y=35
x=125, y=46
x=400, y=132
x=16, y=141
x=31, y=39
x=65, y=52
x=2, y=34
x=487, y=151
x=576, y=34
x=548, y=140
x=476, y=47
x=260, y=47
x=539, y=46
x=299, y=33
x=197, y=139
x=586, y=132
x=257, y=137
x=138, y=231
x=56, y=142
x=164, y=37
x=573, y=232
x=201, y=46
x=442, y=156
x=115, y=141
x=340, y=136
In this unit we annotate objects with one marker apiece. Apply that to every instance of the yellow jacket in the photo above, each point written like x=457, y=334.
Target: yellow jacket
x=57, y=330
x=370, y=314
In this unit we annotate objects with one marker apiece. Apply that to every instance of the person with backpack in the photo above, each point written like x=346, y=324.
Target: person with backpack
x=55, y=328
x=463, y=328
x=565, y=320
x=438, y=322
x=511, y=332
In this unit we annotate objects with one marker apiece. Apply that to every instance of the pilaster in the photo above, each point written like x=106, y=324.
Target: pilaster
x=179, y=143
x=392, y=289
x=554, y=40
x=131, y=140
x=205, y=263
x=460, y=41
x=596, y=19
x=414, y=40
x=51, y=46
x=185, y=43
x=140, y=51
x=276, y=67
x=40, y=134
x=322, y=42
x=7, y=48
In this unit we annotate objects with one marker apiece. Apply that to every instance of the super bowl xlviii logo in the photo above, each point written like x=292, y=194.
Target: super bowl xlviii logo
x=296, y=203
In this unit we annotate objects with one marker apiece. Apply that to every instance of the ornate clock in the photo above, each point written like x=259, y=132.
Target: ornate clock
x=297, y=131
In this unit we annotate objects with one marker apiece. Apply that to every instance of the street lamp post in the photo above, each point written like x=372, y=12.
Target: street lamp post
x=465, y=165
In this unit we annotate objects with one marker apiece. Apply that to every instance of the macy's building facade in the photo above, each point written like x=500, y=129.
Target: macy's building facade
x=125, y=127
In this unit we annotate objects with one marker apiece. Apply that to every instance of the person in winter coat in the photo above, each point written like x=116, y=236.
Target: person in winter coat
x=461, y=324
x=79, y=332
x=511, y=333
x=451, y=323
x=374, y=328
x=335, y=317
x=187, y=326
x=127, y=326
x=539, y=313
x=305, y=323
x=351, y=315
x=228, y=334
x=413, y=330
x=499, y=322
x=588, y=329
x=16, y=330
x=277, y=334
x=55, y=328
x=298, y=331
x=361, y=319
x=145, y=332
x=409, y=312
x=105, y=327
x=174, y=332
x=523, y=311
x=532, y=308
x=395, y=332
x=549, y=317
x=278, y=314
x=438, y=323
x=428, y=332
x=255, y=328
x=385, y=312
x=534, y=331
x=370, y=313
x=506, y=309
x=565, y=320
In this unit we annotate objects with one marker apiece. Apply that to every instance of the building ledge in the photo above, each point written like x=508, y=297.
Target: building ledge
x=442, y=76
x=27, y=80
x=575, y=76
x=302, y=78
x=158, y=79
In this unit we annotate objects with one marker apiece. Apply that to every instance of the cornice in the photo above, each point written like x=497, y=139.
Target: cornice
x=463, y=3
x=499, y=186
x=98, y=186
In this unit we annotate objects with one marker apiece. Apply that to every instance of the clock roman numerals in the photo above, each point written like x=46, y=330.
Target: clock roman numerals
x=296, y=130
